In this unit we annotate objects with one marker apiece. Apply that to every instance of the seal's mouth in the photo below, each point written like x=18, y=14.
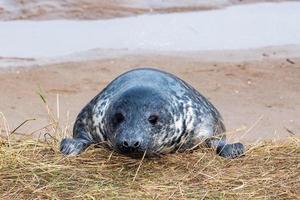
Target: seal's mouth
x=139, y=154
x=132, y=154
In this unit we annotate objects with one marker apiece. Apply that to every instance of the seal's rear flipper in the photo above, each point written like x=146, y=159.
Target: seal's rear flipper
x=70, y=146
x=231, y=150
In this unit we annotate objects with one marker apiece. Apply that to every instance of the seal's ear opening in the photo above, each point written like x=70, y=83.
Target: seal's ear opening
x=153, y=119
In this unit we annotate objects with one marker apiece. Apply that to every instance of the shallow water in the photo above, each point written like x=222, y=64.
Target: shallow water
x=237, y=27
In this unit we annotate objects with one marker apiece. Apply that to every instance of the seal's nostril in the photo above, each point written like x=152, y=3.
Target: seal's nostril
x=125, y=144
x=137, y=144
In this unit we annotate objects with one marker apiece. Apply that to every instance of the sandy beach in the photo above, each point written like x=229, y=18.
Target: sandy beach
x=256, y=91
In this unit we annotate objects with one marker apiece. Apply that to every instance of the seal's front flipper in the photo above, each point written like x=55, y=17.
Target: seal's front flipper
x=71, y=146
x=231, y=150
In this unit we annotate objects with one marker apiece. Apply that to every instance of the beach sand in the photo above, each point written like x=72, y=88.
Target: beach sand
x=256, y=91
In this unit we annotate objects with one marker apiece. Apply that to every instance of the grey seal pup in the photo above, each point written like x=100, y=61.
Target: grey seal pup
x=149, y=111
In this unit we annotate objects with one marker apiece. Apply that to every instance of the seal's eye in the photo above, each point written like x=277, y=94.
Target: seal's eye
x=153, y=119
x=119, y=117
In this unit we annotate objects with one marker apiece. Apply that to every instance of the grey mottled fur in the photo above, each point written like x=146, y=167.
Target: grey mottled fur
x=188, y=119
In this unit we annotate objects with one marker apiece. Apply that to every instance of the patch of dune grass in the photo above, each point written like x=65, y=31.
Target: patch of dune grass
x=31, y=169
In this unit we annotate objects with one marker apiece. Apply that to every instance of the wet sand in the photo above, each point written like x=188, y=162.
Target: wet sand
x=95, y=9
x=256, y=91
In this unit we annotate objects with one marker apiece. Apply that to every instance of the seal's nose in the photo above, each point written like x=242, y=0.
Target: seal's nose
x=129, y=146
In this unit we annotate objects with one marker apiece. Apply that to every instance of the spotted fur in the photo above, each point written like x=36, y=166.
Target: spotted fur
x=186, y=118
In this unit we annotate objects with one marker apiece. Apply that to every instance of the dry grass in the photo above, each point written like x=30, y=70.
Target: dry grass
x=31, y=169
x=34, y=169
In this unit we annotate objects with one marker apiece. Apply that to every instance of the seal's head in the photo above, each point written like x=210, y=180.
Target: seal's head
x=138, y=121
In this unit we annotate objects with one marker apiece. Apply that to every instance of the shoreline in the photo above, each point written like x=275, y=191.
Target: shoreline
x=184, y=32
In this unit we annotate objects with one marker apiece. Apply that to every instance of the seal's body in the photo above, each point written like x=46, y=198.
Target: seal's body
x=147, y=110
